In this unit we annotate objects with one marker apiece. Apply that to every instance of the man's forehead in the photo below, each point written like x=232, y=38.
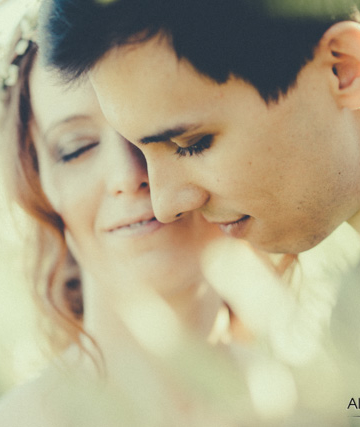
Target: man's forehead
x=133, y=82
x=138, y=58
x=145, y=93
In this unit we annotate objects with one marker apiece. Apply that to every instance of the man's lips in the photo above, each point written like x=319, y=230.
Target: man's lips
x=243, y=218
x=236, y=228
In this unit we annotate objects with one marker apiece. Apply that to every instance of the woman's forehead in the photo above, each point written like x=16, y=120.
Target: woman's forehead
x=53, y=100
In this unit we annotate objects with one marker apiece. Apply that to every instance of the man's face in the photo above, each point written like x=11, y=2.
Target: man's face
x=282, y=176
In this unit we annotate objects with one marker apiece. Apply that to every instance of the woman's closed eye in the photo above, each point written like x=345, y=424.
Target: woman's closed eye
x=197, y=148
x=68, y=157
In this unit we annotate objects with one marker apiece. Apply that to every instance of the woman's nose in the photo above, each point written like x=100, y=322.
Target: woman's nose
x=126, y=170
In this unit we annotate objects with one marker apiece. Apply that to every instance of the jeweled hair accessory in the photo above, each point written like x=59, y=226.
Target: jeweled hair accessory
x=12, y=53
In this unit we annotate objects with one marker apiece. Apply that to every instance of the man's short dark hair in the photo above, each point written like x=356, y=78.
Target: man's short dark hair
x=257, y=40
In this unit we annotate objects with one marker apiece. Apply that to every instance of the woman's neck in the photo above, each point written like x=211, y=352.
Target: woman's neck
x=110, y=308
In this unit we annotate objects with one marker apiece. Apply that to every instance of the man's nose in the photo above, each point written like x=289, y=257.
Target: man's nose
x=172, y=195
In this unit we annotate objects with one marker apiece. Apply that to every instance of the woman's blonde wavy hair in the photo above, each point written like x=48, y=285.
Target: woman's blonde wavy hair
x=52, y=269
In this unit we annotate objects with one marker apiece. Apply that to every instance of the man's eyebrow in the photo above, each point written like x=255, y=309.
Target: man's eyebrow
x=167, y=134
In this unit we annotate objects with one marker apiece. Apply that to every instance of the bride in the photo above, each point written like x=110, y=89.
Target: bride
x=141, y=315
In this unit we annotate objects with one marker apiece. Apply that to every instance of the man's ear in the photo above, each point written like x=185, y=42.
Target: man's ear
x=340, y=45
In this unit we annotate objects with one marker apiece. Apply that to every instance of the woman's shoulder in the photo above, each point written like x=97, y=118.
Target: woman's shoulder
x=64, y=394
x=30, y=404
x=41, y=401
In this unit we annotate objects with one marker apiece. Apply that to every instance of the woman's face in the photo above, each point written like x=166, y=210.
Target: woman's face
x=97, y=182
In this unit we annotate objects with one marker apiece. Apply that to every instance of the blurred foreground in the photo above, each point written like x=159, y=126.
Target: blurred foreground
x=302, y=366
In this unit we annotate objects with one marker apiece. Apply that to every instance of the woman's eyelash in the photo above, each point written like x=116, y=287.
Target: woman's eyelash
x=77, y=153
x=203, y=144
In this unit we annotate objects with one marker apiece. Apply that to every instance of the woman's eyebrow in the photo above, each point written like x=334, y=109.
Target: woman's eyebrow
x=65, y=120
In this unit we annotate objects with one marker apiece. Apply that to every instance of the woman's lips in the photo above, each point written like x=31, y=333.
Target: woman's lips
x=135, y=225
x=131, y=221
x=236, y=228
x=137, y=228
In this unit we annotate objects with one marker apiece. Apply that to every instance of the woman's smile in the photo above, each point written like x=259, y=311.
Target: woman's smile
x=136, y=228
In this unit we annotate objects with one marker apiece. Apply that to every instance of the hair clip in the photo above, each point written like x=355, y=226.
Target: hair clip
x=10, y=57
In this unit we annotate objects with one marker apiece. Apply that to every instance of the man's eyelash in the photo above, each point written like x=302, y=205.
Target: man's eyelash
x=203, y=144
x=77, y=153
